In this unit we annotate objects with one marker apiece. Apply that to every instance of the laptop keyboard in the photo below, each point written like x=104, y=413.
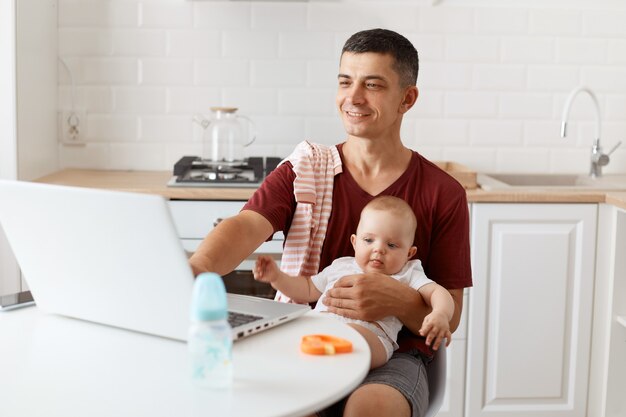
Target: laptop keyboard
x=238, y=319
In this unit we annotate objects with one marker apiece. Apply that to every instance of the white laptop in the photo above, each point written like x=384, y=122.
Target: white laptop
x=113, y=258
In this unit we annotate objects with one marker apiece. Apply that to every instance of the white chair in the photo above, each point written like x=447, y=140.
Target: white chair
x=436, y=372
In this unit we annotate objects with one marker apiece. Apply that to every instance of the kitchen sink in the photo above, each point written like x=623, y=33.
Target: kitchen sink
x=498, y=181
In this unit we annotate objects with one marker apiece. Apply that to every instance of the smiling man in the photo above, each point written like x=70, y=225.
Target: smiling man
x=376, y=87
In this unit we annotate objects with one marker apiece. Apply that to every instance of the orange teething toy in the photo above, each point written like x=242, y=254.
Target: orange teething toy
x=321, y=344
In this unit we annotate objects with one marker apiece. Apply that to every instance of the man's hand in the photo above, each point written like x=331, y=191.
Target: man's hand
x=371, y=297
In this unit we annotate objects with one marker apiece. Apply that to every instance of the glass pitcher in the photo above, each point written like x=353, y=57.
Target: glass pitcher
x=225, y=136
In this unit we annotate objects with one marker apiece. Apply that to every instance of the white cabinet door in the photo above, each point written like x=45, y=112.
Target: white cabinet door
x=607, y=376
x=529, y=326
x=455, y=380
x=453, y=400
x=194, y=219
x=616, y=381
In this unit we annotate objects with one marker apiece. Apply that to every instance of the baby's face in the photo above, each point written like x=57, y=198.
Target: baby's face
x=382, y=242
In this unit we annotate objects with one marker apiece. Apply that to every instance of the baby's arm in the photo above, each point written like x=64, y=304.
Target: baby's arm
x=436, y=325
x=300, y=288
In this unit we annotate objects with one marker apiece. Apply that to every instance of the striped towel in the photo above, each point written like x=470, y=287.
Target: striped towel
x=315, y=167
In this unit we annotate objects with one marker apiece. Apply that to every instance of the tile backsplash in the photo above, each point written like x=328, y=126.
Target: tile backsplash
x=493, y=80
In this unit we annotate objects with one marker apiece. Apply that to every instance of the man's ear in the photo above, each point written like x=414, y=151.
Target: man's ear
x=412, y=251
x=410, y=97
x=353, y=241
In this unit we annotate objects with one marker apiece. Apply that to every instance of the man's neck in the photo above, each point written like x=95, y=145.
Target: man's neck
x=375, y=164
x=369, y=157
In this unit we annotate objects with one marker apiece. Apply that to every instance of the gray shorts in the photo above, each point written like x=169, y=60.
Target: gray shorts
x=406, y=372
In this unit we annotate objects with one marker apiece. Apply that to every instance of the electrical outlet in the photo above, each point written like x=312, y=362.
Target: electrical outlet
x=73, y=126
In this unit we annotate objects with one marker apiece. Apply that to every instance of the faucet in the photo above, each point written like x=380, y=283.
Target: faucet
x=598, y=158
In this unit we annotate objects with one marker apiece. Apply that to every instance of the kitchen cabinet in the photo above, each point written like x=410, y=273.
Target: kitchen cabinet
x=608, y=362
x=195, y=219
x=453, y=400
x=530, y=312
x=455, y=380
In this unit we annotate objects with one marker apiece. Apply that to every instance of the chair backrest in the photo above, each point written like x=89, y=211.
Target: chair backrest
x=436, y=373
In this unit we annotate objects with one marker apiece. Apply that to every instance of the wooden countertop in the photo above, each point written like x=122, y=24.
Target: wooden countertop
x=152, y=182
x=155, y=182
x=617, y=198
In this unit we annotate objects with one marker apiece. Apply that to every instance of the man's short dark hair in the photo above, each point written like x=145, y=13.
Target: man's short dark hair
x=384, y=41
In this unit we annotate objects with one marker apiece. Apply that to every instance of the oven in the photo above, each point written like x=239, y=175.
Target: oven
x=194, y=219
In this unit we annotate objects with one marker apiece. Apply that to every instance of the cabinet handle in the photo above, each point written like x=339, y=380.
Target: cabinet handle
x=217, y=221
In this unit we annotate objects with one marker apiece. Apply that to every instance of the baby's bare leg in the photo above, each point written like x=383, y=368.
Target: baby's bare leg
x=377, y=350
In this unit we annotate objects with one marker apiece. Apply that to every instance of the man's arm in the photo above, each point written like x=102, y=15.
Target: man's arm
x=230, y=242
x=371, y=297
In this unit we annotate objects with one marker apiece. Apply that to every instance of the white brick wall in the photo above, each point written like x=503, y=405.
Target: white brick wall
x=493, y=76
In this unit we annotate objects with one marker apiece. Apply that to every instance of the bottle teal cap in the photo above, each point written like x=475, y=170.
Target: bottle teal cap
x=208, y=301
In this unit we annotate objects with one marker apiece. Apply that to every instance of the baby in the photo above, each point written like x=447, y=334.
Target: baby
x=383, y=243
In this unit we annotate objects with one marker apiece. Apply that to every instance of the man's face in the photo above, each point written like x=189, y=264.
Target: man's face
x=382, y=242
x=369, y=96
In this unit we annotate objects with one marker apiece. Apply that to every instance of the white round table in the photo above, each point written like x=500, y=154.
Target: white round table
x=56, y=366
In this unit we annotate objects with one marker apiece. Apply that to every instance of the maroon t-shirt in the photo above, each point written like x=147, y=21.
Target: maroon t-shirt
x=438, y=200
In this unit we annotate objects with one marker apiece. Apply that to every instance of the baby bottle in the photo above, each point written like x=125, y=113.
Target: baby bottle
x=210, y=336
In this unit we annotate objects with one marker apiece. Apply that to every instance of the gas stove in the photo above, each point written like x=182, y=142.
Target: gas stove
x=193, y=171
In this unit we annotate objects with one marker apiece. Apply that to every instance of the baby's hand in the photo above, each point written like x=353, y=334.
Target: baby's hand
x=265, y=269
x=435, y=328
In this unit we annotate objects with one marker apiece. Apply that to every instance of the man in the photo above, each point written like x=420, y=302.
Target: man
x=377, y=86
